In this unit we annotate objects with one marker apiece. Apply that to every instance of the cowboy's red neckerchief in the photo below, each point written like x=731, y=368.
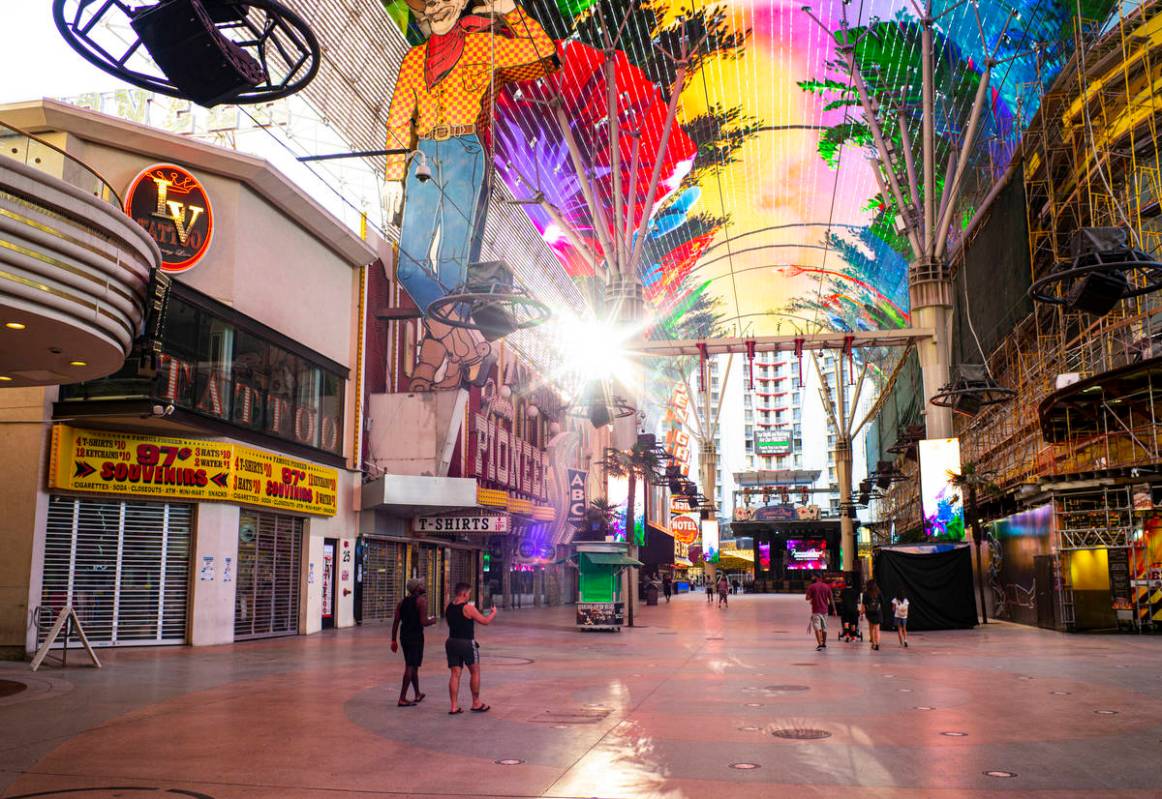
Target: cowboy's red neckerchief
x=444, y=50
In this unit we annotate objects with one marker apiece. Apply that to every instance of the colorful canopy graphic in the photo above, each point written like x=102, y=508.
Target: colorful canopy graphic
x=767, y=216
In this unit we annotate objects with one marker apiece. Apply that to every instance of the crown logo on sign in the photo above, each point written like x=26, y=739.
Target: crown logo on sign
x=179, y=183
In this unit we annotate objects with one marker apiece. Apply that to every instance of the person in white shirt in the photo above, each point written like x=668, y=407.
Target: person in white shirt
x=900, y=612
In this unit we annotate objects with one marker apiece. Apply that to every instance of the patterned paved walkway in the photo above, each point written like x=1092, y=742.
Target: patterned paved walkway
x=695, y=703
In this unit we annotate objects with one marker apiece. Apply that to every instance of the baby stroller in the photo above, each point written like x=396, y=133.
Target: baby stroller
x=849, y=615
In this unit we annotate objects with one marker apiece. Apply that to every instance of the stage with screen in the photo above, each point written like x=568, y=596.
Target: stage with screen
x=807, y=554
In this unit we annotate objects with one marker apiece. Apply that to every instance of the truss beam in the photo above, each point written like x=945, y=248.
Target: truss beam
x=807, y=342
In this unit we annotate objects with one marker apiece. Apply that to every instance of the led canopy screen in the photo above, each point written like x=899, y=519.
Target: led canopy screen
x=942, y=501
x=807, y=554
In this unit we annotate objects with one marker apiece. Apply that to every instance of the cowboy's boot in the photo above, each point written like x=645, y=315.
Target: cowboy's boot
x=464, y=346
x=432, y=356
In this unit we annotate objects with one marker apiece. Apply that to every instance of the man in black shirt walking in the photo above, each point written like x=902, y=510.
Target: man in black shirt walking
x=411, y=617
x=462, y=649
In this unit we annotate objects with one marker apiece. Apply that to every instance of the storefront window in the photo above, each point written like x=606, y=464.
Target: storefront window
x=218, y=368
x=241, y=377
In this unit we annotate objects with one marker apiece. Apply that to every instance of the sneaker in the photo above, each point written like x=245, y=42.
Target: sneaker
x=820, y=648
x=905, y=645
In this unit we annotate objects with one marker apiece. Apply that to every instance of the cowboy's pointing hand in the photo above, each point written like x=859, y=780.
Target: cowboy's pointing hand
x=392, y=199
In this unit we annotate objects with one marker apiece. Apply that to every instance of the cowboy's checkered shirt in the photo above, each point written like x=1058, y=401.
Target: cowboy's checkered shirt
x=417, y=112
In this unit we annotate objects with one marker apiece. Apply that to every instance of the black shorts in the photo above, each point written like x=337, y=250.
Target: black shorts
x=413, y=652
x=462, y=652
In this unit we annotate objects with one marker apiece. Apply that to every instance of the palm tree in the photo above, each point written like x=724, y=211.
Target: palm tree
x=971, y=481
x=642, y=460
x=599, y=514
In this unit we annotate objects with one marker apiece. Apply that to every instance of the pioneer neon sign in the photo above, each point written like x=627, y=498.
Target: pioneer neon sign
x=501, y=456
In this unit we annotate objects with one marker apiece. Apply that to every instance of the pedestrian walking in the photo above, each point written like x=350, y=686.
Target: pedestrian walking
x=667, y=587
x=819, y=595
x=723, y=592
x=462, y=649
x=900, y=616
x=709, y=591
x=872, y=607
x=411, y=617
x=849, y=610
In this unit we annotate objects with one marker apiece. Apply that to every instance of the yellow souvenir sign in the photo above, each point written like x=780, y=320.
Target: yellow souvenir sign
x=164, y=467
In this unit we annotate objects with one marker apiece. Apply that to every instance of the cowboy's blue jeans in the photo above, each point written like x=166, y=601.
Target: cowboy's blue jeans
x=445, y=210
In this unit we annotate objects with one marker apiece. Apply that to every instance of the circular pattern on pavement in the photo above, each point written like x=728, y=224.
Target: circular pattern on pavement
x=112, y=792
x=1000, y=774
x=745, y=766
x=800, y=734
x=508, y=761
x=506, y=660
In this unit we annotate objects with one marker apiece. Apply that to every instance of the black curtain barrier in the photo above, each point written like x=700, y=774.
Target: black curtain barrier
x=938, y=586
x=658, y=549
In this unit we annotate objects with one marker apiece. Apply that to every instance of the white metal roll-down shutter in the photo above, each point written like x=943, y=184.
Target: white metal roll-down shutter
x=463, y=569
x=382, y=579
x=266, y=598
x=123, y=565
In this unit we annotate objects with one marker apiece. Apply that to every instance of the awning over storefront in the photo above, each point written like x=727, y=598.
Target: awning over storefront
x=736, y=559
x=413, y=495
x=610, y=559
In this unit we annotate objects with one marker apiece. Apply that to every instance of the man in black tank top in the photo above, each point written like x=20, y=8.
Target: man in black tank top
x=461, y=647
x=411, y=617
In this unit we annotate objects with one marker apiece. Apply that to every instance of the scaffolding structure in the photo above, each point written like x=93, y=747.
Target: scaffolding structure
x=1092, y=158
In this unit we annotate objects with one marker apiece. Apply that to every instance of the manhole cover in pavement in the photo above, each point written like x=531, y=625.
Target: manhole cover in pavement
x=800, y=734
x=11, y=687
x=802, y=664
x=788, y=688
x=585, y=716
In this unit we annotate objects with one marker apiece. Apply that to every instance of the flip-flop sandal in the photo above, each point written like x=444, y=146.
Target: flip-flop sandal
x=482, y=709
x=418, y=699
x=456, y=712
x=405, y=704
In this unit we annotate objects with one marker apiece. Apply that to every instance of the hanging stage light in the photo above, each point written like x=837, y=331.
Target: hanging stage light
x=203, y=64
x=1099, y=276
x=207, y=51
x=491, y=303
x=972, y=389
x=600, y=406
